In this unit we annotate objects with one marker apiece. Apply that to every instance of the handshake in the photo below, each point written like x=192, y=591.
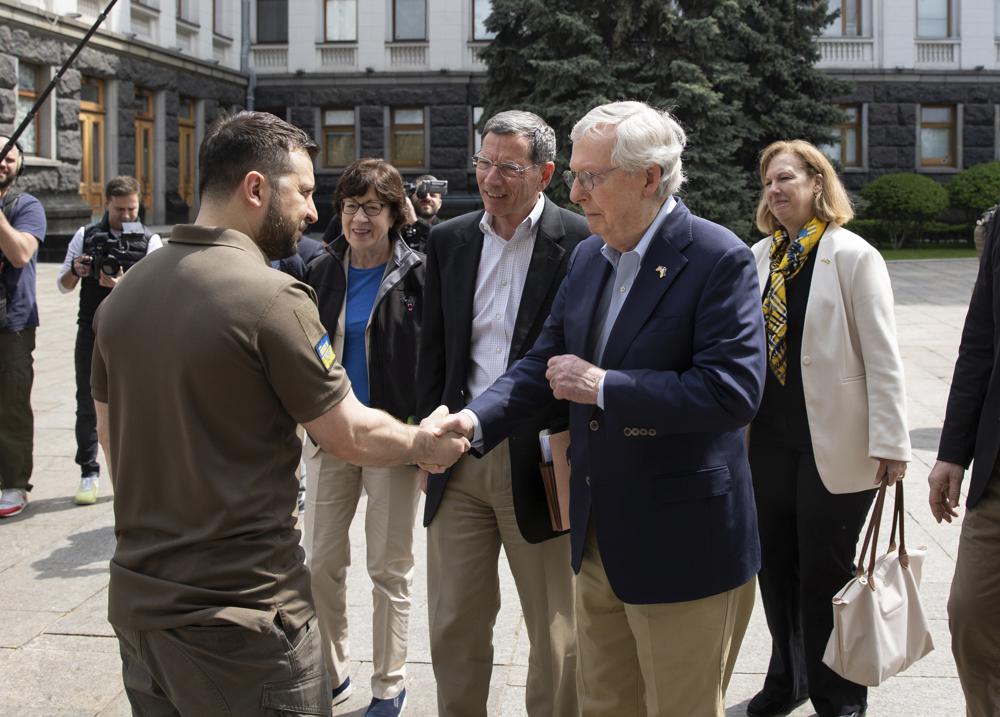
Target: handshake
x=444, y=439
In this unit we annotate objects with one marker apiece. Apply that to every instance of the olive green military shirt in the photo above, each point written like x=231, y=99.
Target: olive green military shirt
x=208, y=358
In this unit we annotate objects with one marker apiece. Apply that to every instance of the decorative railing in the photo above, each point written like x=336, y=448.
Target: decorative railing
x=406, y=56
x=337, y=57
x=270, y=58
x=937, y=52
x=846, y=52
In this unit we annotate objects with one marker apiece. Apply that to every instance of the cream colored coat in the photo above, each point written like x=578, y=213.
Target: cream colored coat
x=852, y=373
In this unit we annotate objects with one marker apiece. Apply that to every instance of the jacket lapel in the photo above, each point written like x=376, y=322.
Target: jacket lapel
x=545, y=260
x=662, y=263
x=465, y=267
x=581, y=306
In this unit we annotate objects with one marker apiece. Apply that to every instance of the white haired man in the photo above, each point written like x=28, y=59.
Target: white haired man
x=656, y=339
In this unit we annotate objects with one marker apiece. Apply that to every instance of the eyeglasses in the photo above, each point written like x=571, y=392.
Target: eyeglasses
x=372, y=209
x=588, y=180
x=508, y=170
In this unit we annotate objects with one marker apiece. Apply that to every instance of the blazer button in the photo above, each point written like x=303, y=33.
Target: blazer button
x=806, y=360
x=594, y=425
x=586, y=480
x=652, y=431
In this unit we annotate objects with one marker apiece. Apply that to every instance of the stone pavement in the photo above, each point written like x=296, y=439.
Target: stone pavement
x=58, y=655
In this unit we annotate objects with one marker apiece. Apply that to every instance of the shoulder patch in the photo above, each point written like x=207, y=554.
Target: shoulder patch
x=324, y=349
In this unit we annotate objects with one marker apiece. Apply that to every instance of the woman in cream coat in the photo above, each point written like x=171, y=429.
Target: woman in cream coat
x=832, y=421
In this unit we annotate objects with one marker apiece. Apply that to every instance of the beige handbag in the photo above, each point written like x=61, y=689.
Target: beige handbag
x=879, y=627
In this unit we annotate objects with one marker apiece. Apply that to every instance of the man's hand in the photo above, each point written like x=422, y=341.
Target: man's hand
x=945, y=480
x=441, y=422
x=81, y=265
x=574, y=379
x=889, y=471
x=409, y=213
x=110, y=282
x=445, y=440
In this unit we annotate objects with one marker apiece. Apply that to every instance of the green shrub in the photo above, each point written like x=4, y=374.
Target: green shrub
x=872, y=230
x=976, y=188
x=904, y=203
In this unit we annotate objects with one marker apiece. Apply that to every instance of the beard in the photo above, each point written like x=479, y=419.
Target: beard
x=424, y=211
x=278, y=236
x=7, y=181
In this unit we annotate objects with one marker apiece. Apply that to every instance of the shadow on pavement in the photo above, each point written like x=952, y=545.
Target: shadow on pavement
x=87, y=554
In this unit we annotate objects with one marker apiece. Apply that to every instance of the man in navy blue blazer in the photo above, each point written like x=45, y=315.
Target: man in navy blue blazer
x=656, y=337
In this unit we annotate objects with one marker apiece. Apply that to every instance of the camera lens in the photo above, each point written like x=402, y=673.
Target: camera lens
x=110, y=266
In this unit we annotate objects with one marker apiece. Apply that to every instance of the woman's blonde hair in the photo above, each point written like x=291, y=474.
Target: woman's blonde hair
x=832, y=203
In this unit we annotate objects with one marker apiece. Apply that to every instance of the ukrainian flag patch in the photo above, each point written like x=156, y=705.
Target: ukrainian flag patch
x=324, y=349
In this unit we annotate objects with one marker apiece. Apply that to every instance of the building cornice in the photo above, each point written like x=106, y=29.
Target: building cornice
x=368, y=79
x=957, y=77
x=74, y=30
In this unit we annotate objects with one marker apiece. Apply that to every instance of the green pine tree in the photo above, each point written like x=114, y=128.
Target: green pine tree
x=737, y=74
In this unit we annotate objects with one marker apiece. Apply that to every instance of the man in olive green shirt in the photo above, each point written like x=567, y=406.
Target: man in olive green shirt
x=205, y=361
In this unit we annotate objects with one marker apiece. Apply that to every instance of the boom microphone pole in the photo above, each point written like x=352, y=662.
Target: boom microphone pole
x=58, y=76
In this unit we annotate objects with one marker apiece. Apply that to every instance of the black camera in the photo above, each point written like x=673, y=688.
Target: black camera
x=426, y=186
x=109, y=253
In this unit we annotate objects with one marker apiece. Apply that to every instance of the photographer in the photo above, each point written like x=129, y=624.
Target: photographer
x=425, y=195
x=100, y=254
x=22, y=229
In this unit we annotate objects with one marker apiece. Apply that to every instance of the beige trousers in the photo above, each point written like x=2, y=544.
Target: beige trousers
x=974, y=605
x=333, y=489
x=660, y=660
x=475, y=518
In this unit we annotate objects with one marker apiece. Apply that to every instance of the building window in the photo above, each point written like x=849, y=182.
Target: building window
x=29, y=86
x=145, y=119
x=409, y=20
x=187, y=10
x=338, y=138
x=92, y=111
x=934, y=19
x=218, y=25
x=341, y=20
x=481, y=10
x=846, y=148
x=848, y=22
x=938, y=136
x=187, y=154
x=272, y=21
x=406, y=137
x=996, y=18
x=477, y=134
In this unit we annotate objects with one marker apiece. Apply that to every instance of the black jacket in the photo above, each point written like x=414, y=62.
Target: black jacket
x=395, y=324
x=453, y=252
x=973, y=415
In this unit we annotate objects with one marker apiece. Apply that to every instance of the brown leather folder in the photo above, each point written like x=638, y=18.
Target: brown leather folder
x=555, y=478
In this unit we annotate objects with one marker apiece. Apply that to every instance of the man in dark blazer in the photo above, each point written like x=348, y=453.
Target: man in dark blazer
x=491, y=279
x=971, y=433
x=656, y=337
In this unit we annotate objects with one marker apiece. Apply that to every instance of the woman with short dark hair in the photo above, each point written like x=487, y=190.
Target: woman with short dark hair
x=369, y=285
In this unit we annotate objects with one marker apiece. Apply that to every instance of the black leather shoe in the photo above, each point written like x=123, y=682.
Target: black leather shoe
x=763, y=706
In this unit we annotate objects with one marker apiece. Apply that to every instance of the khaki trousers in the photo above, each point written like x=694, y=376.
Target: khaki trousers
x=660, y=660
x=333, y=489
x=475, y=518
x=974, y=605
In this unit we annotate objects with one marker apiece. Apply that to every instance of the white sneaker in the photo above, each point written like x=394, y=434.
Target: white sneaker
x=86, y=494
x=12, y=501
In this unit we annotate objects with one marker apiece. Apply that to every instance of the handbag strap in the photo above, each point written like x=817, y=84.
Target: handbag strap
x=898, y=515
x=871, y=538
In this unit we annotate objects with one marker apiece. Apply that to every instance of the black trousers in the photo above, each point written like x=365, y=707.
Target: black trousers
x=86, y=416
x=808, y=539
x=17, y=422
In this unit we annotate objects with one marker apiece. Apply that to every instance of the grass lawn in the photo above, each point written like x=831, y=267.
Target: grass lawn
x=946, y=252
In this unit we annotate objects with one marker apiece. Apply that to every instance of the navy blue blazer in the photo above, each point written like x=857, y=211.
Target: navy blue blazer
x=662, y=471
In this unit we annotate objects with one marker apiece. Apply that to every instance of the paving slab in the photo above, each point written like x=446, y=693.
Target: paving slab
x=54, y=558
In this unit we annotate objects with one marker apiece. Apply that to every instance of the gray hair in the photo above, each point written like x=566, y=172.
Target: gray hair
x=540, y=136
x=643, y=136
